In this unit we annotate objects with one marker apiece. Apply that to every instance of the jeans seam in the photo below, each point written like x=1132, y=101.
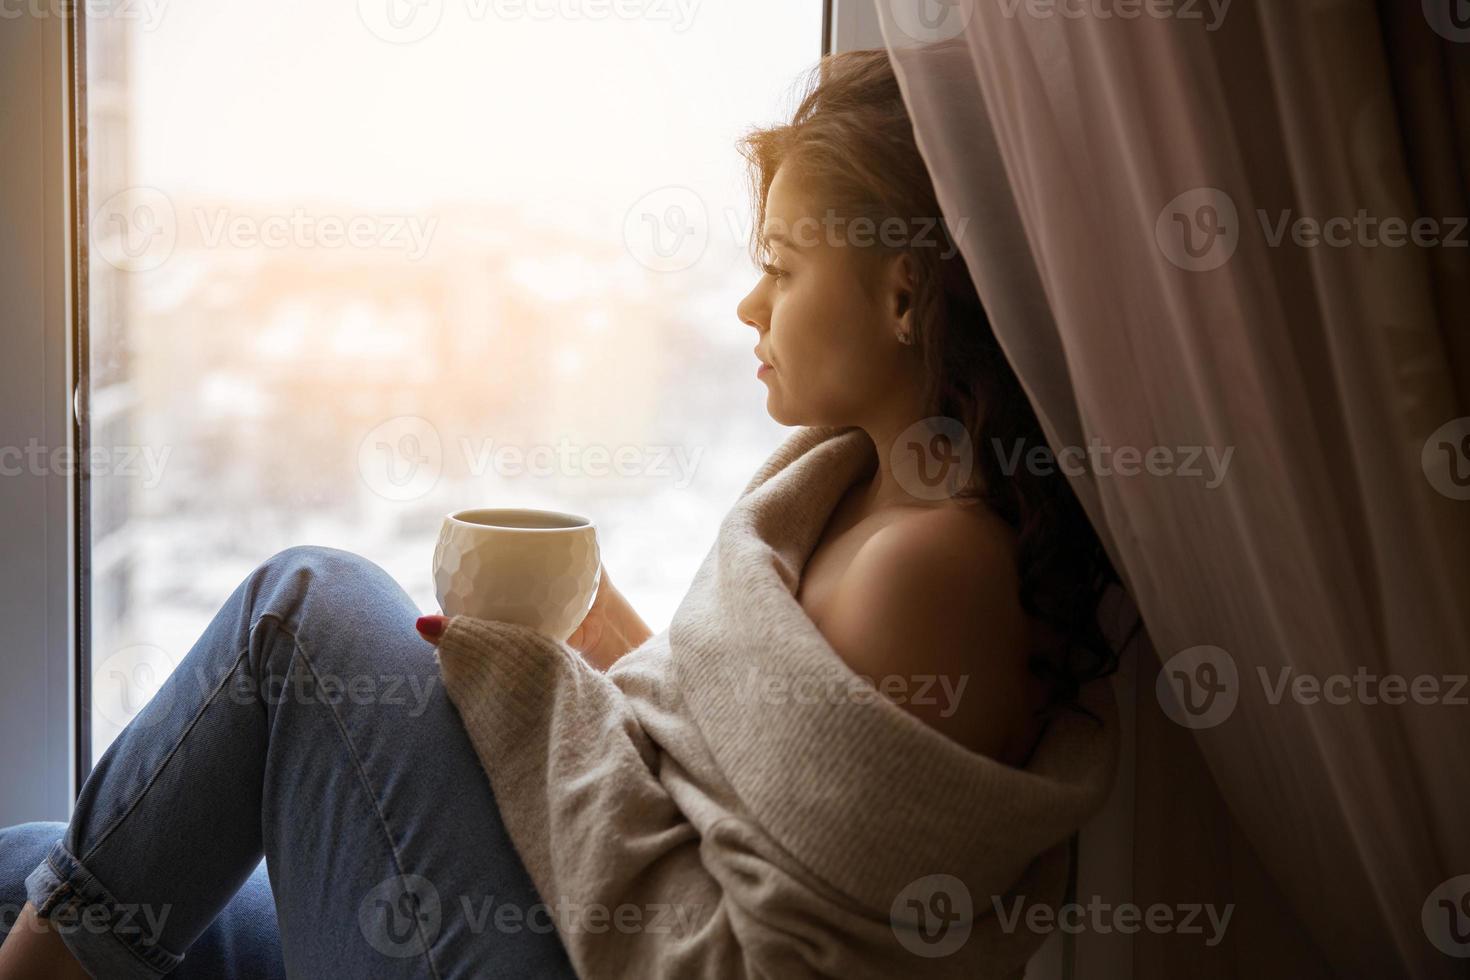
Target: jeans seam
x=68, y=894
x=62, y=890
x=285, y=628
x=102, y=839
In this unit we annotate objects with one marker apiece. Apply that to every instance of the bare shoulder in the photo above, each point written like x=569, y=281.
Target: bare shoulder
x=929, y=609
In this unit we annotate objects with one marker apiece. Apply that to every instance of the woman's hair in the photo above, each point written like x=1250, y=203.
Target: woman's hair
x=851, y=145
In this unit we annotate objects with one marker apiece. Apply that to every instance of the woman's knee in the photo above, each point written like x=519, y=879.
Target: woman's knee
x=24, y=845
x=22, y=848
x=344, y=618
x=318, y=565
x=309, y=587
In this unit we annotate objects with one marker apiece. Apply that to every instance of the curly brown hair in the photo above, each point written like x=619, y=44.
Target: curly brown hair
x=851, y=143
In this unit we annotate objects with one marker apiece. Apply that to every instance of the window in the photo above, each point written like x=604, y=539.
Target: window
x=353, y=266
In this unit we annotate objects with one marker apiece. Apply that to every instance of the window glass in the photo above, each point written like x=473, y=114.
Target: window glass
x=356, y=265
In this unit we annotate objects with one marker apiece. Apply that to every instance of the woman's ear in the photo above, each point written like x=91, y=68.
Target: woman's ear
x=901, y=291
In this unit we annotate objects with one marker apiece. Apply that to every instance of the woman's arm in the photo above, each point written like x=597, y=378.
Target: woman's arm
x=611, y=628
x=634, y=890
x=932, y=604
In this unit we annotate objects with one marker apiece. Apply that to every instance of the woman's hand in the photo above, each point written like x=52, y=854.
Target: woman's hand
x=610, y=629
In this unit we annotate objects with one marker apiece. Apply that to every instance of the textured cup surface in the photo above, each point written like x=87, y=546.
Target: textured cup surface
x=539, y=568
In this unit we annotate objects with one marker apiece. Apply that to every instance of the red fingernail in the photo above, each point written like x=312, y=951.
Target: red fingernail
x=430, y=625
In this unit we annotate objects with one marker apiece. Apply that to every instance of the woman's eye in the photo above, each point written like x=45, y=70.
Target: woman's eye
x=775, y=272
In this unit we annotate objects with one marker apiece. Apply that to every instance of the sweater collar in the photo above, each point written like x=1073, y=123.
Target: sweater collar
x=863, y=794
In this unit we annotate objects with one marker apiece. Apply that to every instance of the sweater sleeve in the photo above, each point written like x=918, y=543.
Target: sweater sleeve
x=622, y=871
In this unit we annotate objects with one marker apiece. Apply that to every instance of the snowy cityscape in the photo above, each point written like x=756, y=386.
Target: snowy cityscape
x=301, y=368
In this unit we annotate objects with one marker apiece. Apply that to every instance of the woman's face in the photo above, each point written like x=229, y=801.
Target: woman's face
x=828, y=314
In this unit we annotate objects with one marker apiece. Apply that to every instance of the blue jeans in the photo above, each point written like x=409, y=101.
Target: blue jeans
x=310, y=726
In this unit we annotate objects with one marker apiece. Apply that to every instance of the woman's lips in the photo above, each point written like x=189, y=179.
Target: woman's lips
x=763, y=367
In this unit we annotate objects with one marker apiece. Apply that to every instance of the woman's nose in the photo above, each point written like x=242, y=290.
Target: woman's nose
x=749, y=310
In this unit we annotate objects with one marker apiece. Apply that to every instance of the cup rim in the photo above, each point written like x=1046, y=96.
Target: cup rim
x=579, y=522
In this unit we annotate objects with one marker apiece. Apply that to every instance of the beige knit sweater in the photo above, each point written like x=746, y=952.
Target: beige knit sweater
x=725, y=803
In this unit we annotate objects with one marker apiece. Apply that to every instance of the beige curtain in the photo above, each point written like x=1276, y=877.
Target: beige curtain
x=1179, y=217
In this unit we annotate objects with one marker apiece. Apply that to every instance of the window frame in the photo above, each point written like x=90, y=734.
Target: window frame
x=852, y=25
x=40, y=502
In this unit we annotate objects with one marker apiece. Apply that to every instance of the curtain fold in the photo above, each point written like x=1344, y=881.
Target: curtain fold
x=1183, y=225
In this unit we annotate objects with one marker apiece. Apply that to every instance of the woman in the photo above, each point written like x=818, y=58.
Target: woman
x=644, y=782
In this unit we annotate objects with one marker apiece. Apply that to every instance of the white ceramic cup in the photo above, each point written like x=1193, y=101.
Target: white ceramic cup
x=539, y=568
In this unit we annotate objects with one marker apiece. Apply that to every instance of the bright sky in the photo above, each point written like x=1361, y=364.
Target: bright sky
x=282, y=100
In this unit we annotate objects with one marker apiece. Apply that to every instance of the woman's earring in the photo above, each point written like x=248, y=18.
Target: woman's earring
x=906, y=338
